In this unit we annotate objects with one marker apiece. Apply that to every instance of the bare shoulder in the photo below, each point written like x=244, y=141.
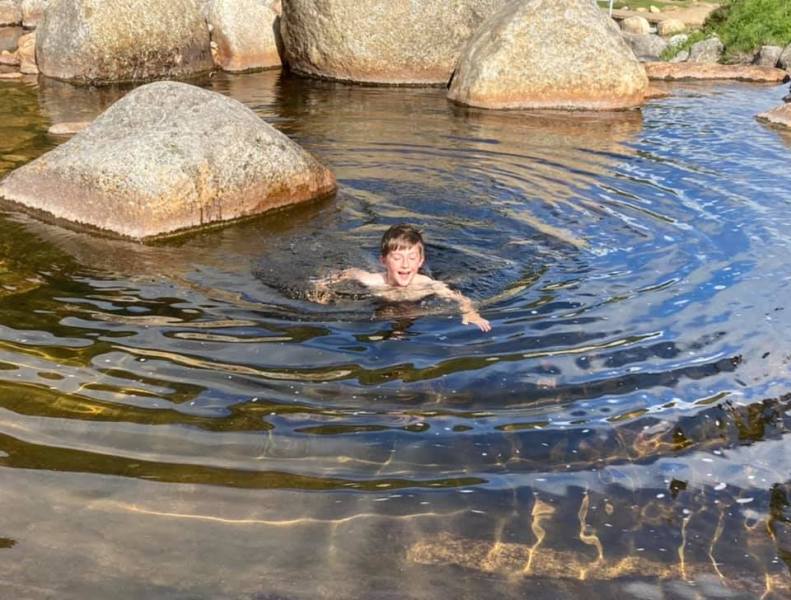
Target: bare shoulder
x=366, y=278
x=424, y=281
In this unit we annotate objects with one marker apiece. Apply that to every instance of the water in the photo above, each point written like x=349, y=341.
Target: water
x=179, y=420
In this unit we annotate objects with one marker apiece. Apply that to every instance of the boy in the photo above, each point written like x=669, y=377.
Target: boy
x=402, y=252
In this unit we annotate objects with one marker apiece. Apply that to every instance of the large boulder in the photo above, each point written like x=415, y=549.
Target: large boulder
x=26, y=52
x=32, y=12
x=706, y=51
x=778, y=116
x=244, y=34
x=768, y=56
x=9, y=38
x=647, y=46
x=785, y=59
x=167, y=157
x=98, y=42
x=549, y=54
x=636, y=25
x=670, y=27
x=10, y=13
x=394, y=42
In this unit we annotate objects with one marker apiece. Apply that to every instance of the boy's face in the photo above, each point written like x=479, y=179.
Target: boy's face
x=402, y=264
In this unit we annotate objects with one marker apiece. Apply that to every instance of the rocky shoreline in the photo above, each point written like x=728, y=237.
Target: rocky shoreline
x=491, y=54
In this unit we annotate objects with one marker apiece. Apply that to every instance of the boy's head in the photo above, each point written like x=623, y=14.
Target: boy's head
x=402, y=253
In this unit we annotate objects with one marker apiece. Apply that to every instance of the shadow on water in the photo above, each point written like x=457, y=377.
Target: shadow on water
x=621, y=432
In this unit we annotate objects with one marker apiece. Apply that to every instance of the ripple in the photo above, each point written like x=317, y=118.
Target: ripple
x=629, y=407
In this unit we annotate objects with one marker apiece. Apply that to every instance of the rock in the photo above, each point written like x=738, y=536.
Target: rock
x=653, y=93
x=784, y=62
x=677, y=40
x=706, y=51
x=99, y=42
x=742, y=58
x=689, y=70
x=670, y=27
x=680, y=57
x=32, y=12
x=68, y=128
x=654, y=9
x=768, y=56
x=547, y=54
x=166, y=157
x=244, y=31
x=15, y=75
x=641, y=9
x=636, y=25
x=646, y=47
x=394, y=42
x=10, y=13
x=778, y=116
x=9, y=58
x=27, y=54
x=9, y=38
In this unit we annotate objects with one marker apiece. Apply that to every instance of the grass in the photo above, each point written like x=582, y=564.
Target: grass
x=746, y=25
x=632, y=4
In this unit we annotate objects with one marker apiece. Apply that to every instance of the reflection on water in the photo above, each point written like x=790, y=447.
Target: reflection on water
x=183, y=407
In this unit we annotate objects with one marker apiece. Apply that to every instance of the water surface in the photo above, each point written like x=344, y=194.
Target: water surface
x=179, y=420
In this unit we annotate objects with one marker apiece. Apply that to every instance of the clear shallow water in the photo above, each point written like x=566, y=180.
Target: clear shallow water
x=179, y=420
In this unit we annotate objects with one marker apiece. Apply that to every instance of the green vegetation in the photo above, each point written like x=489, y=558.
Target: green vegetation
x=745, y=25
x=694, y=38
x=632, y=4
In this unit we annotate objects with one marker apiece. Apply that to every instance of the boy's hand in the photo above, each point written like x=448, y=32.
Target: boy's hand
x=476, y=319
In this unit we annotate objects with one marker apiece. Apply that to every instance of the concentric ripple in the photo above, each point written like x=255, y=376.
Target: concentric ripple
x=622, y=424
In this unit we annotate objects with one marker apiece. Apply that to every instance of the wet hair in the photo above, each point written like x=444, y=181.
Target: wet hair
x=399, y=237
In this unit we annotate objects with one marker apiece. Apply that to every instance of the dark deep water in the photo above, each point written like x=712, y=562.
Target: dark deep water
x=179, y=421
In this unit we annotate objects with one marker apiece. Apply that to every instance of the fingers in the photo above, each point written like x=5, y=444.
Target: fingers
x=483, y=324
x=478, y=320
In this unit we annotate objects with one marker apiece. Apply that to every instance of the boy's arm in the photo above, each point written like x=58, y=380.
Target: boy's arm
x=468, y=312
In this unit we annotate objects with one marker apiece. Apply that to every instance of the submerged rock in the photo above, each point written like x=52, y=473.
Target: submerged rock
x=244, y=31
x=778, y=116
x=68, y=128
x=549, y=54
x=96, y=42
x=393, y=42
x=689, y=70
x=167, y=157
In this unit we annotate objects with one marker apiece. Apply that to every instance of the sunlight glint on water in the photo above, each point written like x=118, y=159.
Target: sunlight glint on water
x=183, y=409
